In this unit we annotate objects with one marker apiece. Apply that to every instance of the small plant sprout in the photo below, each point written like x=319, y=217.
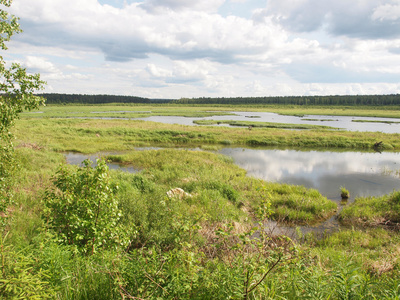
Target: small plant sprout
x=344, y=193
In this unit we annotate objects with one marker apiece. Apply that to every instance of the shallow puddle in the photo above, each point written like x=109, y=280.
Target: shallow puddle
x=77, y=159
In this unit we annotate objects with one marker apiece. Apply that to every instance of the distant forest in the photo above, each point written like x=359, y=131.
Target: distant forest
x=371, y=100
x=91, y=99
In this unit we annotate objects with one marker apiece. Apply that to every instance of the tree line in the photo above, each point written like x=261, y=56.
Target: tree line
x=91, y=99
x=342, y=100
x=348, y=100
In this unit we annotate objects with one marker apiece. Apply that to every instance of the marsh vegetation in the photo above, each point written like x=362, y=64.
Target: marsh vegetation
x=122, y=235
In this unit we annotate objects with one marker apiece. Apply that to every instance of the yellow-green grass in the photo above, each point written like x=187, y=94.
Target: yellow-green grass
x=89, y=136
x=373, y=249
x=373, y=211
x=170, y=259
x=144, y=110
x=199, y=172
x=121, y=111
x=251, y=125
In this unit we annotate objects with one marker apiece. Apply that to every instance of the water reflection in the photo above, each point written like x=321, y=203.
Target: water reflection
x=342, y=122
x=78, y=158
x=363, y=174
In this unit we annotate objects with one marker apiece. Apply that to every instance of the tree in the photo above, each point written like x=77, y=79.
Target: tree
x=17, y=89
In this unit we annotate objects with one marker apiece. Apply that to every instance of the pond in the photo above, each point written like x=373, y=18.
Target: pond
x=342, y=122
x=362, y=173
x=74, y=158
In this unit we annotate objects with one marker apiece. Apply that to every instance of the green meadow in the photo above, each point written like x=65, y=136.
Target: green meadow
x=190, y=224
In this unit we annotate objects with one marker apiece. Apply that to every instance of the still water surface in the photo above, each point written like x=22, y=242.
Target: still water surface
x=362, y=173
x=342, y=122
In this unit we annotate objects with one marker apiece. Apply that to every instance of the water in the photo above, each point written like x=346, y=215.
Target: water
x=342, y=122
x=362, y=173
x=77, y=159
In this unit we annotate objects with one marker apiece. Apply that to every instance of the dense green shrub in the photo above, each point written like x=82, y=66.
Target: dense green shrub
x=82, y=208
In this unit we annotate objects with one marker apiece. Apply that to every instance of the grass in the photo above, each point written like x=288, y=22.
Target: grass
x=376, y=249
x=375, y=121
x=200, y=174
x=320, y=120
x=344, y=193
x=262, y=124
x=373, y=211
x=121, y=111
x=203, y=246
x=145, y=110
x=177, y=252
x=89, y=136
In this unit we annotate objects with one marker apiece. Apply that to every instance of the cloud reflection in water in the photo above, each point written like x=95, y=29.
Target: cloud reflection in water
x=364, y=174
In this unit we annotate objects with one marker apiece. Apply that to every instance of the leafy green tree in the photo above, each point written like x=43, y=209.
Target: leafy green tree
x=82, y=208
x=17, y=89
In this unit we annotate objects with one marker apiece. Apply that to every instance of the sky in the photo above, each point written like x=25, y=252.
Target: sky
x=210, y=48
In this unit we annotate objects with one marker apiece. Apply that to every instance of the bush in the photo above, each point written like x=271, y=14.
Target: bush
x=82, y=208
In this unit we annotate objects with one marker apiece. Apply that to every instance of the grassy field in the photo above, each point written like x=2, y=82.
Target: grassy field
x=205, y=241
x=89, y=136
x=139, y=110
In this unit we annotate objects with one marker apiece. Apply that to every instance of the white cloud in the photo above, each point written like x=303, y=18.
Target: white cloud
x=159, y=6
x=387, y=12
x=176, y=48
x=124, y=34
x=365, y=19
x=158, y=72
x=40, y=64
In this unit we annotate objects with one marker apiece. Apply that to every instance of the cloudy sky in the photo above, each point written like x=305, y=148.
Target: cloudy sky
x=217, y=48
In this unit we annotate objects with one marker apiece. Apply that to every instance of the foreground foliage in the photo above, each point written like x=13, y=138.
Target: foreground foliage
x=203, y=246
x=16, y=94
x=82, y=208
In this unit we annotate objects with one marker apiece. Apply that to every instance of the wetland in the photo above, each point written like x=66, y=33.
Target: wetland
x=251, y=200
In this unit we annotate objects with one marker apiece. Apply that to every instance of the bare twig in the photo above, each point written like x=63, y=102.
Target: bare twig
x=265, y=275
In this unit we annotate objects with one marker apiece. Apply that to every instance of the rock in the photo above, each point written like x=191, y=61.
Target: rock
x=178, y=193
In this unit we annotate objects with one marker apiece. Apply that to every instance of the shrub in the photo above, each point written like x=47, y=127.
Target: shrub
x=82, y=208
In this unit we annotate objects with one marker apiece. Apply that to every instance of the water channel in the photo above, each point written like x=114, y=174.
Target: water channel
x=342, y=122
x=362, y=173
